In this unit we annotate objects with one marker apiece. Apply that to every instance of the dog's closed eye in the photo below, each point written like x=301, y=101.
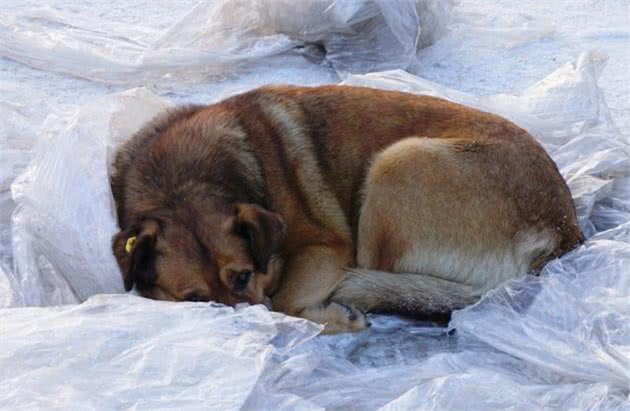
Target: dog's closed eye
x=241, y=280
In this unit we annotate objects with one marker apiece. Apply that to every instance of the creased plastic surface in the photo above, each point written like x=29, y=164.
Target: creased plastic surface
x=560, y=341
x=65, y=219
x=142, y=355
x=567, y=350
x=215, y=38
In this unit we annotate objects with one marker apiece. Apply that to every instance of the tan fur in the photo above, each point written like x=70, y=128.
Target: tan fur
x=446, y=225
x=446, y=222
x=428, y=202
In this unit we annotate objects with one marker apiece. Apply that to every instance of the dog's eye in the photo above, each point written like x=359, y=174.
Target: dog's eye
x=241, y=280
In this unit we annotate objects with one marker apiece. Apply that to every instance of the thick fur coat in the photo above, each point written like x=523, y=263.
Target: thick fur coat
x=335, y=200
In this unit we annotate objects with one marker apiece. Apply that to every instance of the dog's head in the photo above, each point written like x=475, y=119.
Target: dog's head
x=225, y=254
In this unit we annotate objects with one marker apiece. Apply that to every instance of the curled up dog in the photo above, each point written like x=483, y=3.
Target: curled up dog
x=334, y=201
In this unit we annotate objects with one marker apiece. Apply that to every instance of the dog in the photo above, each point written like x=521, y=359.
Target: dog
x=334, y=201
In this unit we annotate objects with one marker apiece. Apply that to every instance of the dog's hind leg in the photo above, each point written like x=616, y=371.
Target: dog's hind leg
x=442, y=214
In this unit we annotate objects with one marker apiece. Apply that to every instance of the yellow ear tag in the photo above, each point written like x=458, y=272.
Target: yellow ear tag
x=130, y=244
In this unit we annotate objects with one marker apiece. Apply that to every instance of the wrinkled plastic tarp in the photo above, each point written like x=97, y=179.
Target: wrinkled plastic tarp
x=141, y=354
x=558, y=341
x=561, y=340
x=218, y=37
x=568, y=350
x=65, y=217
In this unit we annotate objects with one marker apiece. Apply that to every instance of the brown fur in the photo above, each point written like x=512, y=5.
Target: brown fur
x=302, y=183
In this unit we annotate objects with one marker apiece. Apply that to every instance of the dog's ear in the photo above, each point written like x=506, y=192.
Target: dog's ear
x=134, y=249
x=263, y=230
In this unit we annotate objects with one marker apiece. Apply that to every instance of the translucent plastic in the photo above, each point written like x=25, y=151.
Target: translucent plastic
x=142, y=355
x=65, y=217
x=558, y=341
x=217, y=38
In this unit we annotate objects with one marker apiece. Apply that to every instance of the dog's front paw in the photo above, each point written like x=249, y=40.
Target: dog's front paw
x=338, y=318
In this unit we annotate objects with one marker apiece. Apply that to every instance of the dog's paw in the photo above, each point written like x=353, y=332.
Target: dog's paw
x=338, y=318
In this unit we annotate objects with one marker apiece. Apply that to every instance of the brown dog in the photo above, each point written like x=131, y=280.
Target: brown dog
x=276, y=192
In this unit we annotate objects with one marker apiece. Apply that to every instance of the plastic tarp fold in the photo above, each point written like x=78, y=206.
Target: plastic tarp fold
x=568, y=350
x=558, y=341
x=217, y=38
x=141, y=355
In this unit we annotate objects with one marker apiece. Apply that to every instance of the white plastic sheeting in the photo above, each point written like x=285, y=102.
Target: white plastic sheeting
x=558, y=341
x=65, y=216
x=218, y=37
x=141, y=355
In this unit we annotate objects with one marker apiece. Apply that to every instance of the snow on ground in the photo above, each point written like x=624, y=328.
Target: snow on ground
x=561, y=341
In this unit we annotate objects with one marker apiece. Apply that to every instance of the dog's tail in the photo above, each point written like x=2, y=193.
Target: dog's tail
x=415, y=295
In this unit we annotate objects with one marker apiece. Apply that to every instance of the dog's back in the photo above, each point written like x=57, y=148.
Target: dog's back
x=345, y=127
